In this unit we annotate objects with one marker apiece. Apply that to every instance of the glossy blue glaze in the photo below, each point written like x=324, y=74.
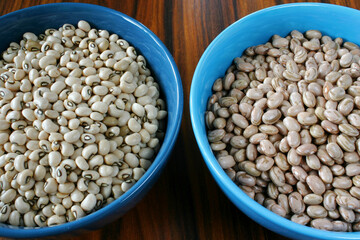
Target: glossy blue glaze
x=37, y=19
x=254, y=29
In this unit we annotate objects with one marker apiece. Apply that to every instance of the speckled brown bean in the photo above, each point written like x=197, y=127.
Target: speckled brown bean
x=240, y=121
x=281, y=162
x=301, y=218
x=250, y=131
x=256, y=116
x=306, y=118
x=271, y=116
x=275, y=100
x=299, y=173
x=292, y=124
x=334, y=150
x=268, y=148
x=296, y=203
x=325, y=174
x=342, y=182
x=322, y=223
x=277, y=176
x=264, y=163
x=316, y=211
x=293, y=158
x=315, y=184
x=352, y=169
x=293, y=139
x=306, y=149
x=226, y=161
x=313, y=162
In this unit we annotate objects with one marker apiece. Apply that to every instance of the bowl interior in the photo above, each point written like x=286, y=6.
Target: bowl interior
x=39, y=18
x=254, y=29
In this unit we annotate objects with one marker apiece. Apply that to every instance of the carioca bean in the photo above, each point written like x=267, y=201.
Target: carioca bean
x=291, y=131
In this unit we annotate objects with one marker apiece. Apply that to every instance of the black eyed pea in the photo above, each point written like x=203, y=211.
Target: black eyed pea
x=153, y=143
x=61, y=175
x=124, y=174
x=49, y=126
x=67, y=91
x=105, y=171
x=100, y=107
x=146, y=153
x=125, y=186
x=139, y=110
x=24, y=176
x=104, y=182
x=95, y=162
x=117, y=192
x=21, y=205
x=104, y=147
x=91, y=174
x=112, y=158
x=14, y=218
x=68, y=164
x=83, y=25
x=39, y=173
x=54, y=158
x=114, y=132
x=67, y=149
x=40, y=220
x=81, y=163
x=88, y=203
x=151, y=128
x=82, y=184
x=151, y=111
x=89, y=151
x=72, y=177
x=5, y=213
x=138, y=173
x=29, y=219
x=72, y=136
x=47, y=210
x=20, y=163
x=133, y=139
x=8, y=196
x=131, y=159
x=12, y=116
x=66, y=188
x=50, y=185
x=77, y=196
x=55, y=220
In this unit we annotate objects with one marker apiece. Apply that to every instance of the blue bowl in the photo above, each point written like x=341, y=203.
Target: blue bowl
x=37, y=19
x=257, y=28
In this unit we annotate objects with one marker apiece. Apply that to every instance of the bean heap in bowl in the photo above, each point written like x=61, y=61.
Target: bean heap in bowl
x=284, y=125
x=80, y=122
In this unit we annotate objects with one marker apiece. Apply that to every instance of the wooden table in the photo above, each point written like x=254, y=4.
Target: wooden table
x=185, y=203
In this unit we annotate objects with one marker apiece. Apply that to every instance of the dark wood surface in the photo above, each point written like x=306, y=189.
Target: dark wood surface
x=185, y=203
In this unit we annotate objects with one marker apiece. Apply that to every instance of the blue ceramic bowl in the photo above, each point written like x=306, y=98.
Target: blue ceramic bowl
x=37, y=19
x=254, y=29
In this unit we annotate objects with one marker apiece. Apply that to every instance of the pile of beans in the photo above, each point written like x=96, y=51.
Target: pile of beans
x=284, y=125
x=80, y=122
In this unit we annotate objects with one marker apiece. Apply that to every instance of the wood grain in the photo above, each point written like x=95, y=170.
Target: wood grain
x=185, y=203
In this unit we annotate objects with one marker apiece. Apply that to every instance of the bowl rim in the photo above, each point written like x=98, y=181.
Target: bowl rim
x=231, y=190
x=158, y=163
